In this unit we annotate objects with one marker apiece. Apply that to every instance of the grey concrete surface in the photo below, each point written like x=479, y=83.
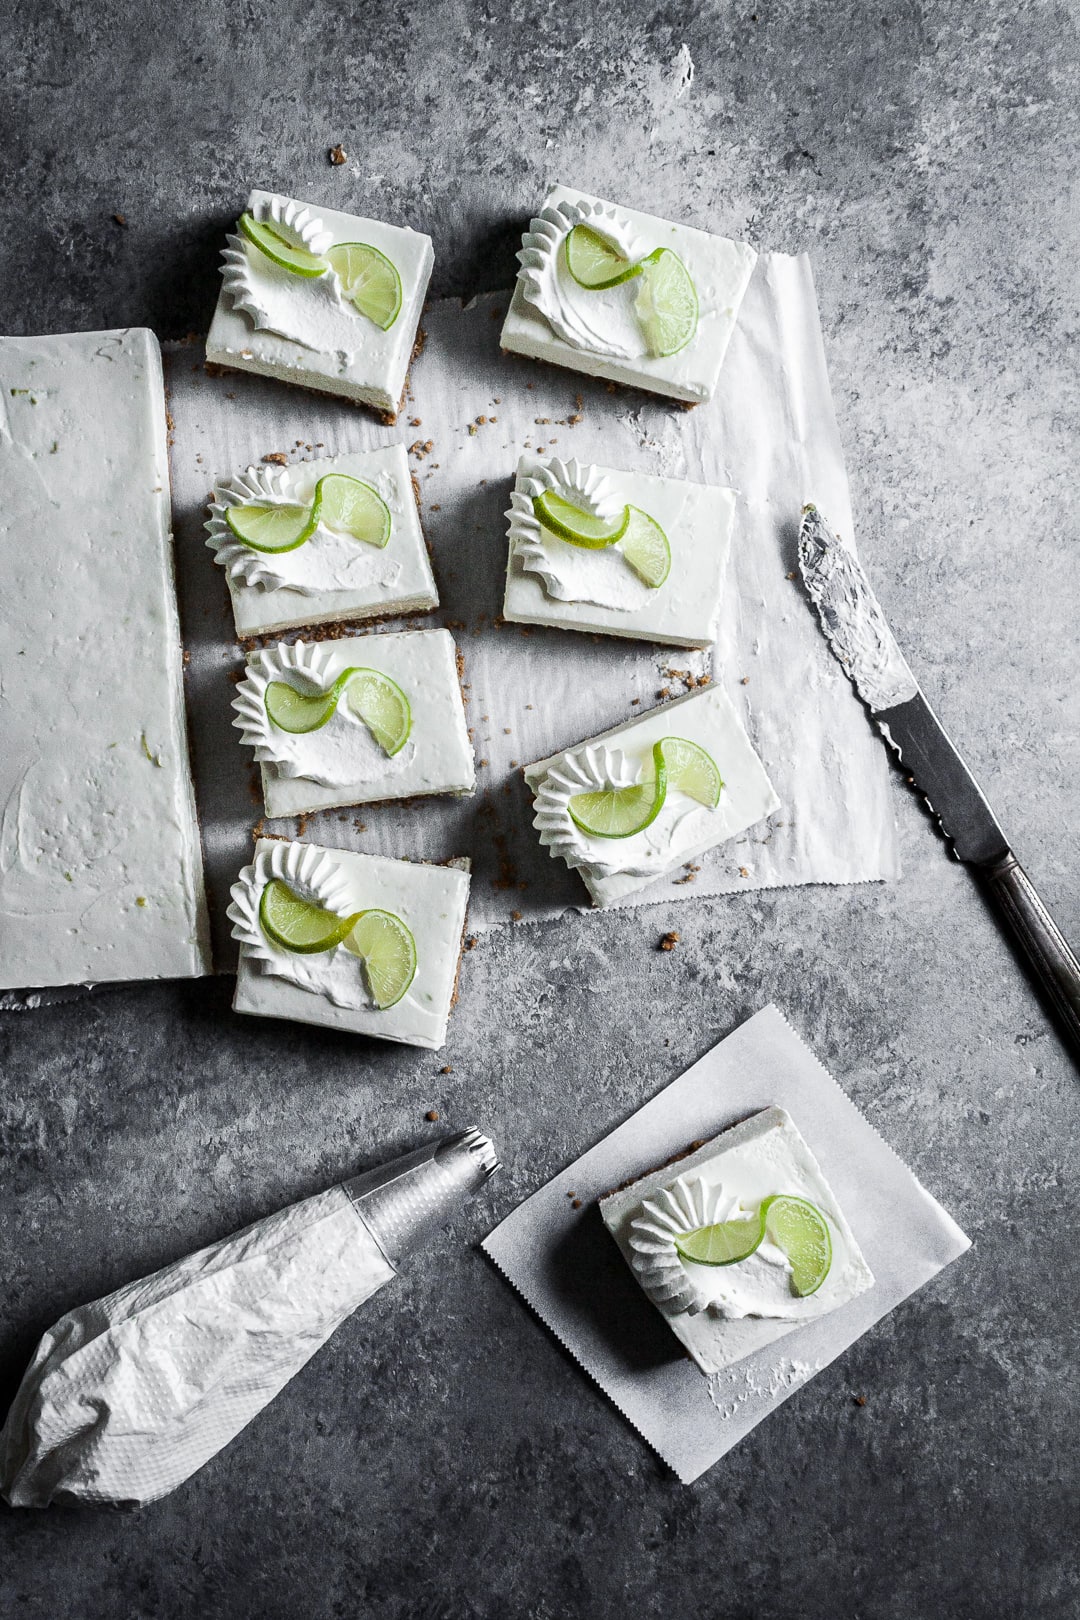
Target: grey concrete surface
x=445, y=1459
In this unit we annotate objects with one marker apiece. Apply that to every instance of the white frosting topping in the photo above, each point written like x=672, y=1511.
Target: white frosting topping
x=312, y=873
x=341, y=753
x=329, y=561
x=758, y=1286
x=603, y=321
x=572, y=573
x=595, y=768
x=310, y=310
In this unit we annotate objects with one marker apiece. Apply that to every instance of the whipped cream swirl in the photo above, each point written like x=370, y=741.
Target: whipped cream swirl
x=328, y=561
x=757, y=1286
x=341, y=753
x=309, y=310
x=313, y=874
x=570, y=573
x=595, y=768
x=602, y=321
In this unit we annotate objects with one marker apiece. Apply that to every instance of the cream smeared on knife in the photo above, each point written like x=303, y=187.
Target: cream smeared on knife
x=851, y=616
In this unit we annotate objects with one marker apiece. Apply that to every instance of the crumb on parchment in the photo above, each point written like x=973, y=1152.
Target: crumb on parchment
x=668, y=942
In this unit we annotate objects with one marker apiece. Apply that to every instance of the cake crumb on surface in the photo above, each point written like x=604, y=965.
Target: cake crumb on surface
x=860, y=1400
x=337, y=156
x=668, y=942
x=575, y=1203
x=432, y=1115
x=277, y=457
x=447, y=1068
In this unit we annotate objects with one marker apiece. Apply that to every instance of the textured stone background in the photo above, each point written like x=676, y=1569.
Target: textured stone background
x=445, y=1459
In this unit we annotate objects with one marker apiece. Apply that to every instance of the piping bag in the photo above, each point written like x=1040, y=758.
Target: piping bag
x=126, y=1397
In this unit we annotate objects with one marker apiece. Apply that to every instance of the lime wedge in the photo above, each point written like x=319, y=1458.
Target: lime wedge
x=580, y=528
x=369, y=280
x=388, y=952
x=723, y=1244
x=294, y=711
x=594, y=262
x=692, y=771
x=296, y=924
x=645, y=547
x=623, y=811
x=283, y=253
x=266, y=527
x=352, y=507
x=667, y=304
x=382, y=706
x=799, y=1228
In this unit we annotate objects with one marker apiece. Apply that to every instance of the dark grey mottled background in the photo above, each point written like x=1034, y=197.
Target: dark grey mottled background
x=445, y=1459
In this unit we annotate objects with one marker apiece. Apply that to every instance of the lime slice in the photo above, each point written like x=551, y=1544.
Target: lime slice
x=352, y=507
x=667, y=305
x=388, y=952
x=580, y=528
x=799, y=1228
x=645, y=547
x=369, y=280
x=382, y=706
x=294, y=711
x=296, y=924
x=594, y=262
x=296, y=259
x=692, y=771
x=266, y=527
x=623, y=811
x=723, y=1244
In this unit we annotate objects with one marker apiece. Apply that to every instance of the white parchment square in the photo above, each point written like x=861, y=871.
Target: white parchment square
x=569, y=1269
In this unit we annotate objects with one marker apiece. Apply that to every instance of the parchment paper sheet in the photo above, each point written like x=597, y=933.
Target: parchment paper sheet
x=569, y=1269
x=770, y=433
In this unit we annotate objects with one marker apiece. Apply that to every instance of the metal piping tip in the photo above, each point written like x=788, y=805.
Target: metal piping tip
x=406, y=1200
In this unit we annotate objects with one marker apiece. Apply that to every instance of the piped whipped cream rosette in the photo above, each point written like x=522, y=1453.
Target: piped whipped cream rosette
x=292, y=909
x=305, y=710
x=757, y=1284
x=283, y=269
x=578, y=564
x=331, y=557
x=602, y=809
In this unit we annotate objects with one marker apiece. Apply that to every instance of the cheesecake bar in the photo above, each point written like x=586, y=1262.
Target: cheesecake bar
x=304, y=545
x=322, y=299
x=101, y=875
x=739, y=1242
x=659, y=580
x=353, y=942
x=640, y=800
x=354, y=721
x=615, y=293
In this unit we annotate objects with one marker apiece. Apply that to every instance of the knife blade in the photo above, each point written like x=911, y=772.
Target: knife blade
x=860, y=638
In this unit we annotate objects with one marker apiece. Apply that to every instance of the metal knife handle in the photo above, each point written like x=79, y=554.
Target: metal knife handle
x=1044, y=945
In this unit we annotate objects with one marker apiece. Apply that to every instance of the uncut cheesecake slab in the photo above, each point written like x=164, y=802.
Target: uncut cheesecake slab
x=614, y=868
x=100, y=861
x=608, y=331
x=306, y=329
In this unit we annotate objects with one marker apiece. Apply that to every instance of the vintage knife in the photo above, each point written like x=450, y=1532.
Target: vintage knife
x=859, y=635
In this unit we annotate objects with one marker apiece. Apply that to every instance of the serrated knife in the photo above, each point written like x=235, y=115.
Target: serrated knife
x=859, y=636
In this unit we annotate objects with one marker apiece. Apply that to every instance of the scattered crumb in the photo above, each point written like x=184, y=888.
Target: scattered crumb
x=668, y=942
x=140, y=899
x=473, y=429
x=515, y=916
x=860, y=1400
x=470, y=943
x=121, y=219
x=575, y=1203
x=447, y=1068
x=337, y=156
x=432, y=1115
x=745, y=681
x=690, y=873
x=792, y=575
x=744, y=871
x=634, y=700
x=278, y=457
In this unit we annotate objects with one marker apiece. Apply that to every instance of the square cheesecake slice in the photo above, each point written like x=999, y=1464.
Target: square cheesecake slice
x=322, y=299
x=353, y=942
x=615, y=293
x=739, y=1242
x=101, y=873
x=321, y=541
x=356, y=721
x=633, y=804
x=659, y=581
